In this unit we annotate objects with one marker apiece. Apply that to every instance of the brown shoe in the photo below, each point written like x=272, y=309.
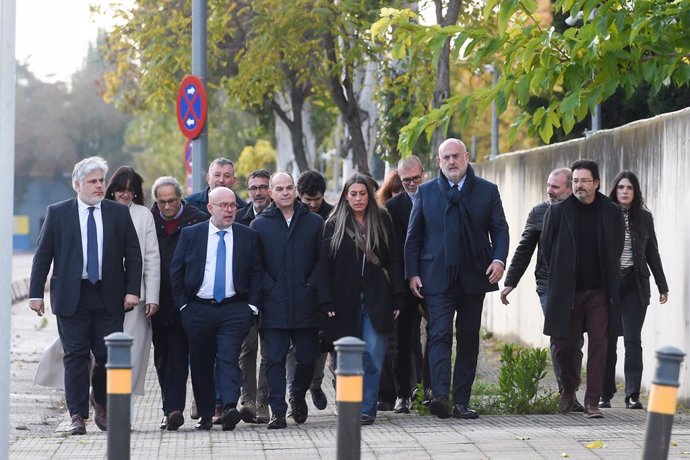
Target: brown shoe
x=101, y=414
x=77, y=426
x=592, y=411
x=565, y=404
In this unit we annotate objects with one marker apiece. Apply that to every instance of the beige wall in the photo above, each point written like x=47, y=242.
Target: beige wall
x=658, y=151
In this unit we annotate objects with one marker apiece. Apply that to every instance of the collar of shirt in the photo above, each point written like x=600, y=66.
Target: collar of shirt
x=83, y=207
x=212, y=229
x=459, y=184
x=177, y=216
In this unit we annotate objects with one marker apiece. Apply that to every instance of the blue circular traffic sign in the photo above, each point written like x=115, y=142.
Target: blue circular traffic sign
x=192, y=105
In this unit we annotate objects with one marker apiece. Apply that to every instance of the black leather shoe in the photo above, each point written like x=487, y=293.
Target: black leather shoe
x=204, y=424
x=277, y=422
x=164, y=423
x=565, y=403
x=248, y=412
x=463, y=411
x=605, y=403
x=633, y=403
x=367, y=419
x=384, y=406
x=175, y=420
x=77, y=426
x=299, y=409
x=439, y=407
x=231, y=417
x=318, y=397
x=402, y=406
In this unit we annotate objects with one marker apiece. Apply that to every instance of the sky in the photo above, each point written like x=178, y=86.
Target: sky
x=53, y=36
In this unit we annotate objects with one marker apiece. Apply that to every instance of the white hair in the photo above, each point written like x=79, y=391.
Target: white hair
x=86, y=167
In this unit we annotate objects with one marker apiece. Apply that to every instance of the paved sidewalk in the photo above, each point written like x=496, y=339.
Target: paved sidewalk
x=39, y=424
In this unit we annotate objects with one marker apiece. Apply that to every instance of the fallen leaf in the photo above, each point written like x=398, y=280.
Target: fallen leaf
x=596, y=445
x=522, y=438
x=564, y=455
x=674, y=443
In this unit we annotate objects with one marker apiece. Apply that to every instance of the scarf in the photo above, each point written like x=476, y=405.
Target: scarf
x=462, y=239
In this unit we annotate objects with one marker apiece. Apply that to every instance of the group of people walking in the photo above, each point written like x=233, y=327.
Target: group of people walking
x=218, y=285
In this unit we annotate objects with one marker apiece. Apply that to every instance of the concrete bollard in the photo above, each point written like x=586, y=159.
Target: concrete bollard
x=348, y=395
x=119, y=389
x=662, y=403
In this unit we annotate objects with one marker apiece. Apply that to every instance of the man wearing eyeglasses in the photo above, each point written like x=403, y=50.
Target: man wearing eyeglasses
x=582, y=242
x=557, y=189
x=216, y=277
x=411, y=174
x=170, y=351
x=253, y=405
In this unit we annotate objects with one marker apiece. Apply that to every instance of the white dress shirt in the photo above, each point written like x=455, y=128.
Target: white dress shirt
x=206, y=289
x=83, y=218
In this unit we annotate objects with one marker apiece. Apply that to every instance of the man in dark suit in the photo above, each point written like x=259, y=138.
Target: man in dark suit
x=456, y=249
x=221, y=173
x=97, y=265
x=216, y=276
x=411, y=173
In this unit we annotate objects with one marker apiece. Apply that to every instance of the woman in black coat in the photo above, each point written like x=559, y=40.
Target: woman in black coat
x=362, y=286
x=640, y=255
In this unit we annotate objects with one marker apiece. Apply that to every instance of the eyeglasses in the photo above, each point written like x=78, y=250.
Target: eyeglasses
x=582, y=181
x=164, y=203
x=225, y=206
x=409, y=180
x=257, y=188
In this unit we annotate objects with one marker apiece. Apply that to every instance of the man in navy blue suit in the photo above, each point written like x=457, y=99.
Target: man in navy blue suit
x=94, y=250
x=455, y=252
x=216, y=275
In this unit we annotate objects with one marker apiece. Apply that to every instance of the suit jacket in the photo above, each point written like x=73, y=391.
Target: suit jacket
x=189, y=260
x=424, y=247
x=399, y=207
x=60, y=243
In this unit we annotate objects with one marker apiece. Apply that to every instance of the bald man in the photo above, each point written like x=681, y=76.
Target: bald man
x=290, y=242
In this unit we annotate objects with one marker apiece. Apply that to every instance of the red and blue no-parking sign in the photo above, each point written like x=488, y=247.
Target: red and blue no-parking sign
x=192, y=105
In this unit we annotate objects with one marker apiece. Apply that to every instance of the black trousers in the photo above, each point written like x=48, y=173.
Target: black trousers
x=442, y=309
x=171, y=358
x=633, y=313
x=306, y=352
x=216, y=332
x=399, y=376
x=82, y=335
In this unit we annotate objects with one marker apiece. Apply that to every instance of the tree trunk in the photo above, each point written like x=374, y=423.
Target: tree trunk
x=295, y=125
x=348, y=106
x=442, y=89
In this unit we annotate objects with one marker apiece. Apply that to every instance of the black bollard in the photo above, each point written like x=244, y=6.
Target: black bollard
x=662, y=403
x=119, y=388
x=348, y=395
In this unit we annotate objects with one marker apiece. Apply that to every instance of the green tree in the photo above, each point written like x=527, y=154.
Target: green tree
x=621, y=45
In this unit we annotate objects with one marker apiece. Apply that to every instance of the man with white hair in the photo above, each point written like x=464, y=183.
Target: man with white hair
x=94, y=250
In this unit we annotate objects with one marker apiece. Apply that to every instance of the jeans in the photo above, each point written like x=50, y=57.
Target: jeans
x=374, y=354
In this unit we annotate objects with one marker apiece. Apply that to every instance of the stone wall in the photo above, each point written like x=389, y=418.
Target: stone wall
x=657, y=150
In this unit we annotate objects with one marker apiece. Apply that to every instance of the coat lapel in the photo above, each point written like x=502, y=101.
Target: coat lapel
x=74, y=227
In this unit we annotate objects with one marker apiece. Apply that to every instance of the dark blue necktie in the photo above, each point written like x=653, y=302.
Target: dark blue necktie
x=91, y=248
x=219, y=280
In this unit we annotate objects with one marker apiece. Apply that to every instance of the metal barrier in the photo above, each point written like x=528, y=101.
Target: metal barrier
x=119, y=389
x=662, y=403
x=348, y=395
